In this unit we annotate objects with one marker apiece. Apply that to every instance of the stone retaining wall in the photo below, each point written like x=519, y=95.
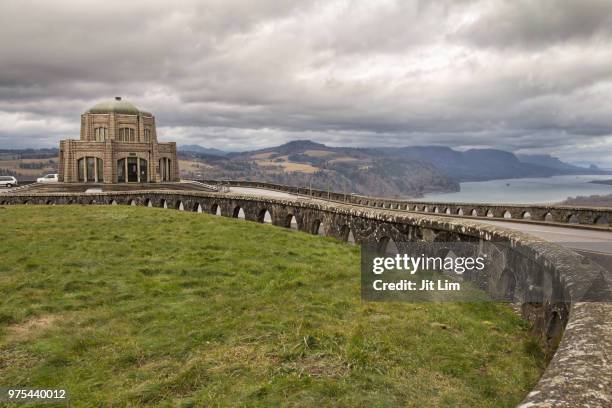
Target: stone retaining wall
x=598, y=216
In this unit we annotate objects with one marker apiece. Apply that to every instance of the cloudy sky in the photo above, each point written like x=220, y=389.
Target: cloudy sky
x=526, y=76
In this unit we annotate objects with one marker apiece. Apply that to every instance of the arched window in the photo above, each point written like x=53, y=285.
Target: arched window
x=90, y=169
x=100, y=134
x=165, y=169
x=127, y=135
x=132, y=170
x=147, y=135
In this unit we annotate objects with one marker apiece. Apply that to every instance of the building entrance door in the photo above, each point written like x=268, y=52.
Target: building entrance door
x=132, y=169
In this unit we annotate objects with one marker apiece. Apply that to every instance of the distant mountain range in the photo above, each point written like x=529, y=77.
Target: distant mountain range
x=404, y=171
x=488, y=164
x=306, y=163
x=393, y=172
x=203, y=150
x=549, y=161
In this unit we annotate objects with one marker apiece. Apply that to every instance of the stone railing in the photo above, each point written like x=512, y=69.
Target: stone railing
x=559, y=214
x=211, y=187
x=580, y=371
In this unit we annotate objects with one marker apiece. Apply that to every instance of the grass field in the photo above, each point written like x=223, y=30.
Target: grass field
x=129, y=306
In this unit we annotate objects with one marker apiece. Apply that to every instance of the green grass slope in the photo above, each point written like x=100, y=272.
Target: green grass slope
x=130, y=306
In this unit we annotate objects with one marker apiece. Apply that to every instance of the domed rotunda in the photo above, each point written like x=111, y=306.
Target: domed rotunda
x=118, y=144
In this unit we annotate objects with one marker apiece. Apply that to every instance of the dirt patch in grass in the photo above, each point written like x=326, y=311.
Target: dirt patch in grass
x=318, y=366
x=31, y=328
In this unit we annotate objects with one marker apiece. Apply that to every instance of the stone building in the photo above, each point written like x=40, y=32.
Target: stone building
x=118, y=144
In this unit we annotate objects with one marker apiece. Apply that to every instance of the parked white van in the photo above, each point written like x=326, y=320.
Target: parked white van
x=49, y=178
x=8, y=181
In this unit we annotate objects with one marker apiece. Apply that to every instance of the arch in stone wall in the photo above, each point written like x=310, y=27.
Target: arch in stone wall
x=346, y=234
x=381, y=245
x=214, y=208
x=387, y=246
x=291, y=222
x=323, y=228
x=264, y=216
x=573, y=219
x=238, y=212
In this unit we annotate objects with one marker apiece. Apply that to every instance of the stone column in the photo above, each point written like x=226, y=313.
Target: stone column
x=95, y=170
x=109, y=162
x=154, y=159
x=112, y=126
x=140, y=135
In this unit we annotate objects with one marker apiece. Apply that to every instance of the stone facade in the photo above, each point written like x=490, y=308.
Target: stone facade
x=118, y=144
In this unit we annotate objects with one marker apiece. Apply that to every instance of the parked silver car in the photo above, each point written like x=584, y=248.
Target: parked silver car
x=8, y=181
x=49, y=178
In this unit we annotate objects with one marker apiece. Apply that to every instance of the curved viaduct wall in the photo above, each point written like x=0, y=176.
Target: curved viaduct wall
x=542, y=213
x=580, y=371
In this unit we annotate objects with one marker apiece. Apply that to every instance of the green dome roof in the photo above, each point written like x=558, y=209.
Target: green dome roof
x=116, y=106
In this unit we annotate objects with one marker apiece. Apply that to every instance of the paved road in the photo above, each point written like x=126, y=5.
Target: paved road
x=261, y=192
x=578, y=239
x=583, y=239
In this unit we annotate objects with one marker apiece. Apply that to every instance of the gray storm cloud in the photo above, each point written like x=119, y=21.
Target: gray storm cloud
x=518, y=75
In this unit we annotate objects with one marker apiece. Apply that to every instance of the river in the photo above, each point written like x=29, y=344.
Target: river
x=540, y=190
